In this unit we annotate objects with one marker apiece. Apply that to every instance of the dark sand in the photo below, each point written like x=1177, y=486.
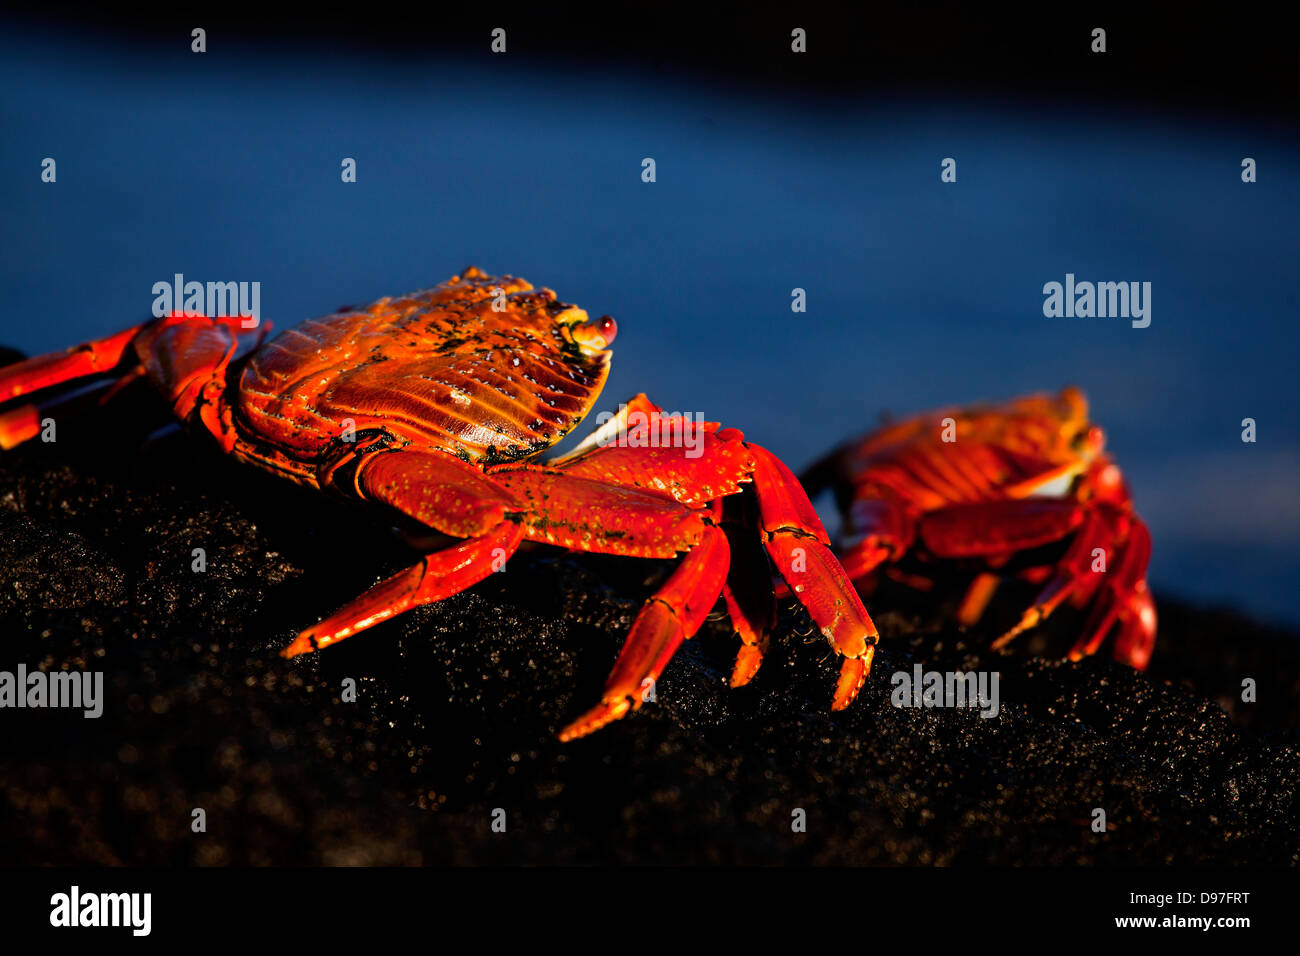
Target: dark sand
x=459, y=704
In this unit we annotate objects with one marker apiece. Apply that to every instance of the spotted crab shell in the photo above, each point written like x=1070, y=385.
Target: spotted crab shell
x=484, y=367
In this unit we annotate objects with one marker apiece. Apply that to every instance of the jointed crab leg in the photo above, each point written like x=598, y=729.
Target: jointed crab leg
x=455, y=498
x=1074, y=578
x=98, y=357
x=185, y=355
x=439, y=575
x=748, y=594
x=992, y=528
x=800, y=549
x=673, y=614
x=1136, y=636
x=791, y=532
x=445, y=494
x=44, y=371
x=24, y=422
x=1120, y=593
x=1123, y=596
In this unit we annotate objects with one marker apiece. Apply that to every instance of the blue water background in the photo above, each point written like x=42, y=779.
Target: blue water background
x=225, y=166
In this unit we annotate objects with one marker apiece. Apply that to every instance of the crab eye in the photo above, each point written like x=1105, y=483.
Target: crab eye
x=607, y=328
x=596, y=335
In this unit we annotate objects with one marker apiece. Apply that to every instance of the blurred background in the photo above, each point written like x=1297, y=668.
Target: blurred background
x=774, y=170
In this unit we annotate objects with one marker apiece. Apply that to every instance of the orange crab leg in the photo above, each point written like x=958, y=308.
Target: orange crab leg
x=673, y=614
x=439, y=575
x=584, y=514
x=800, y=549
x=881, y=529
x=749, y=598
x=1121, y=598
x=998, y=527
x=185, y=355
x=792, y=533
x=24, y=422
x=20, y=425
x=443, y=493
x=977, y=598
x=436, y=489
x=715, y=472
x=90, y=358
x=1073, y=578
x=1136, y=638
x=497, y=511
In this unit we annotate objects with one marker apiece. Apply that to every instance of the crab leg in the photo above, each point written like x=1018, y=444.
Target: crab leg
x=443, y=493
x=185, y=355
x=749, y=598
x=673, y=614
x=791, y=531
x=992, y=528
x=23, y=423
x=748, y=589
x=1136, y=637
x=495, y=512
x=19, y=425
x=90, y=358
x=1073, y=578
x=881, y=529
x=587, y=514
x=800, y=549
x=1120, y=597
x=438, y=575
x=977, y=598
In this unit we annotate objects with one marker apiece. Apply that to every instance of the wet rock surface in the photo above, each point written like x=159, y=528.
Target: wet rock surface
x=458, y=705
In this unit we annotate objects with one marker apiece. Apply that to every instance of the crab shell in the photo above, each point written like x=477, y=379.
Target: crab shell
x=486, y=368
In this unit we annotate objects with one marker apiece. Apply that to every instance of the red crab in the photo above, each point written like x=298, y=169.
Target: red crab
x=990, y=483
x=434, y=404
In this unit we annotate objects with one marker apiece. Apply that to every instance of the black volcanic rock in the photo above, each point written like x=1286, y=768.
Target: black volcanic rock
x=458, y=705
